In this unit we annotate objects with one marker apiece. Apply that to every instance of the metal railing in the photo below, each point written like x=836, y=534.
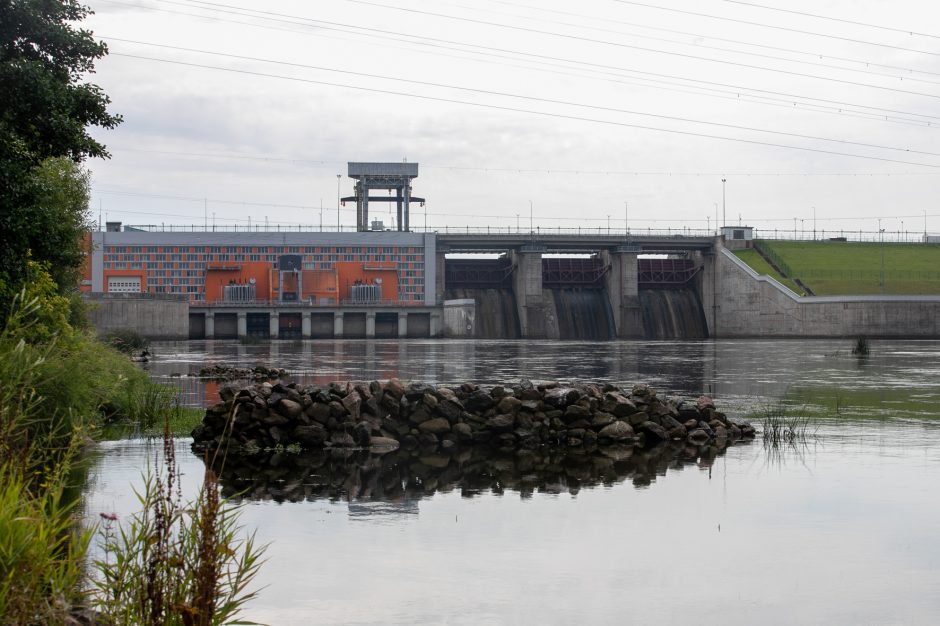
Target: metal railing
x=798, y=234
x=303, y=304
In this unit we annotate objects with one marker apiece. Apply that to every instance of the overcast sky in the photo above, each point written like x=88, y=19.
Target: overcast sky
x=572, y=108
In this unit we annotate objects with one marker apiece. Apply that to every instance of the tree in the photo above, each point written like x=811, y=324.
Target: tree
x=46, y=109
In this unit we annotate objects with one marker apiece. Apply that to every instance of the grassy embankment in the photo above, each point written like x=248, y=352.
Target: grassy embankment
x=851, y=268
x=172, y=563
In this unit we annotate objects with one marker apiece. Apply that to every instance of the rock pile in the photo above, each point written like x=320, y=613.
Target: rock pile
x=227, y=372
x=264, y=416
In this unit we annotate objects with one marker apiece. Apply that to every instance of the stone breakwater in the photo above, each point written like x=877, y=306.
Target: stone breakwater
x=264, y=416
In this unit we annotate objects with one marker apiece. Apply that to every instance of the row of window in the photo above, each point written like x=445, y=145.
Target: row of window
x=263, y=249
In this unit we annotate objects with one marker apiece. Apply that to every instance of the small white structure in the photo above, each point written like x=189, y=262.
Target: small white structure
x=737, y=237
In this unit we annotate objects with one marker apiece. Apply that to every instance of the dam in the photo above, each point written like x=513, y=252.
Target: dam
x=472, y=283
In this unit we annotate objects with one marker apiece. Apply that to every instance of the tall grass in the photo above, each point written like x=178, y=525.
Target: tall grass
x=782, y=425
x=42, y=551
x=176, y=563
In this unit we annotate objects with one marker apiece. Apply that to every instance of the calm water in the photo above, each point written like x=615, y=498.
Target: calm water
x=842, y=530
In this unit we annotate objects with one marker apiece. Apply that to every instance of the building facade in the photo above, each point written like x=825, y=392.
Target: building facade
x=313, y=268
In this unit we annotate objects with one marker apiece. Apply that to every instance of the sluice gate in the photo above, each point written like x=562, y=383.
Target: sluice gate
x=600, y=296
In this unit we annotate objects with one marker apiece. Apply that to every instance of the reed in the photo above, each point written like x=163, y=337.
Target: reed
x=176, y=562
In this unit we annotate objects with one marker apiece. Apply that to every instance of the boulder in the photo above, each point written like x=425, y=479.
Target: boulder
x=437, y=425
x=352, y=403
x=616, y=431
x=509, y=404
x=290, y=408
x=310, y=435
x=652, y=429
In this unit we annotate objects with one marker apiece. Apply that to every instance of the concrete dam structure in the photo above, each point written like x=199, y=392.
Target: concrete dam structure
x=577, y=298
x=395, y=285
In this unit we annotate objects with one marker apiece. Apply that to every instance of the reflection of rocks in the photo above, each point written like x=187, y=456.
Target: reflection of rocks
x=405, y=475
x=523, y=416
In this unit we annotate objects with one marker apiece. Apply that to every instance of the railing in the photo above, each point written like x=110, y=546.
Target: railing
x=665, y=272
x=303, y=304
x=797, y=234
x=573, y=272
x=478, y=273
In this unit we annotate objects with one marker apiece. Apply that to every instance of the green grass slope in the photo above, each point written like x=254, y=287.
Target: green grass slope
x=855, y=268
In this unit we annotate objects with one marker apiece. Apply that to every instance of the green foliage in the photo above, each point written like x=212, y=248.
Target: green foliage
x=41, y=552
x=126, y=340
x=46, y=314
x=176, y=563
x=46, y=105
x=46, y=108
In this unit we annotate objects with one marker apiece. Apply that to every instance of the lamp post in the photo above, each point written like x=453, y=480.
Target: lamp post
x=338, y=178
x=814, y=223
x=626, y=219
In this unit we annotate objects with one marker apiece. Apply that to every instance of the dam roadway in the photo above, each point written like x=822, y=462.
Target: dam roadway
x=469, y=242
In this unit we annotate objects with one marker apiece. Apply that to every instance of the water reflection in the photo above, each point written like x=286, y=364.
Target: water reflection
x=403, y=476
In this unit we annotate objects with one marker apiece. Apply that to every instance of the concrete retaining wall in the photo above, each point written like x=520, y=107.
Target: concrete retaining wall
x=152, y=317
x=753, y=305
x=460, y=318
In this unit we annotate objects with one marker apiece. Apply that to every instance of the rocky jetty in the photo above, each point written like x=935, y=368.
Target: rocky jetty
x=377, y=415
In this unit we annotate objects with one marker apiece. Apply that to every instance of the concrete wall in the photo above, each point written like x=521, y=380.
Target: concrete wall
x=151, y=317
x=751, y=305
x=460, y=318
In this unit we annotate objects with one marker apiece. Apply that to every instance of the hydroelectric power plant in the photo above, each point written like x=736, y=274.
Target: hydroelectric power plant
x=473, y=282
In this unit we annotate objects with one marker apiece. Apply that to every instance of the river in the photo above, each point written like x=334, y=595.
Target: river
x=841, y=528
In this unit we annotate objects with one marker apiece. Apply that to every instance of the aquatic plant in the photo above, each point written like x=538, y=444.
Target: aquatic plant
x=861, y=346
x=126, y=340
x=782, y=425
x=176, y=562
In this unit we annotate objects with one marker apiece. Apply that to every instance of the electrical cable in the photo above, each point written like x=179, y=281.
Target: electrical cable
x=838, y=106
x=834, y=19
x=776, y=27
x=525, y=97
x=529, y=111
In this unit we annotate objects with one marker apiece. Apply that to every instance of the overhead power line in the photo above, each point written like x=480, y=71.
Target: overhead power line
x=700, y=38
x=776, y=27
x=645, y=49
x=489, y=92
x=833, y=106
x=530, y=111
x=834, y=19
x=529, y=169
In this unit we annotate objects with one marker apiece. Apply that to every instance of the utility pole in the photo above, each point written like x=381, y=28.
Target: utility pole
x=626, y=219
x=881, y=237
x=321, y=215
x=338, y=177
x=814, y=223
x=724, y=218
x=531, y=220
x=716, y=216
x=517, y=222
